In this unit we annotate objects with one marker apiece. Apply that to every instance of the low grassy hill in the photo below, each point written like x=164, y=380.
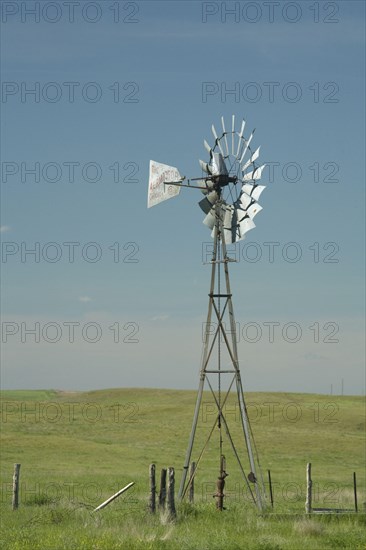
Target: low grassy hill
x=78, y=448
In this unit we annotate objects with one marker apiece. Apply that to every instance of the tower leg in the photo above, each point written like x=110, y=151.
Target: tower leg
x=202, y=374
x=191, y=438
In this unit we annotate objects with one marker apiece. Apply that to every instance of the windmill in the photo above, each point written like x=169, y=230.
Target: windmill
x=230, y=203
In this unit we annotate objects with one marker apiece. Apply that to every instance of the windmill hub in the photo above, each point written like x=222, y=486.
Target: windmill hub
x=223, y=180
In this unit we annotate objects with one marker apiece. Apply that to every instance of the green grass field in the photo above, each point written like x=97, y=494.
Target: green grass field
x=77, y=449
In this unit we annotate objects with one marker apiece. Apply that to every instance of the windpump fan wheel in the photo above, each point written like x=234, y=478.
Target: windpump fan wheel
x=230, y=183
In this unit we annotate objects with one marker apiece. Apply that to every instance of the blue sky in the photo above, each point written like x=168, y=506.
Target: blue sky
x=162, y=58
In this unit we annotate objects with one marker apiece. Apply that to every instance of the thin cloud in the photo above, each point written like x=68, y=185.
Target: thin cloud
x=4, y=228
x=160, y=317
x=85, y=299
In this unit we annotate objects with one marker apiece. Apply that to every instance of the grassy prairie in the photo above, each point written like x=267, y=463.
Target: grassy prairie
x=76, y=449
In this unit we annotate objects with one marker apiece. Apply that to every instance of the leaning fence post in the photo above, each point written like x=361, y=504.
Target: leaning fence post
x=270, y=487
x=170, y=495
x=309, y=483
x=16, y=475
x=162, y=493
x=152, y=505
x=191, y=481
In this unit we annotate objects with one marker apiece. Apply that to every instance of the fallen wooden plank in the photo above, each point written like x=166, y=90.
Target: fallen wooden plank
x=110, y=499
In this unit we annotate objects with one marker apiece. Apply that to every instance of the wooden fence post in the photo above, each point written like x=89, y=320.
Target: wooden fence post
x=270, y=487
x=162, y=493
x=308, y=503
x=355, y=491
x=170, y=495
x=16, y=475
x=152, y=504
x=191, y=477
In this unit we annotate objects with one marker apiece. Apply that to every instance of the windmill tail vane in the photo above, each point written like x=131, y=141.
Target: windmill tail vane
x=230, y=203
